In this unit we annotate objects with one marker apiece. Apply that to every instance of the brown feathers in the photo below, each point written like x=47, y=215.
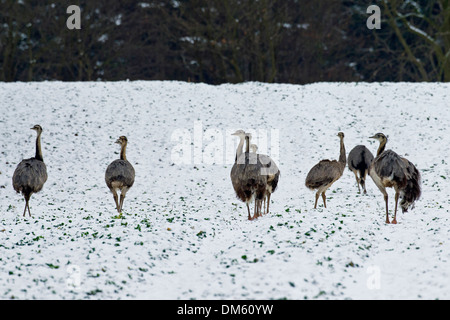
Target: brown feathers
x=326, y=172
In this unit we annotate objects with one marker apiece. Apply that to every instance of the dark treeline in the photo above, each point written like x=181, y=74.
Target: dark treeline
x=217, y=41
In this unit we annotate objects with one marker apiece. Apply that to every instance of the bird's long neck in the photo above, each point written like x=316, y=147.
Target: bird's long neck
x=381, y=147
x=247, y=147
x=123, y=150
x=342, y=156
x=239, y=149
x=38, y=155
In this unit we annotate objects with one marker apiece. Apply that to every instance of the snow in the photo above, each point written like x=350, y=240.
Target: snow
x=421, y=33
x=183, y=233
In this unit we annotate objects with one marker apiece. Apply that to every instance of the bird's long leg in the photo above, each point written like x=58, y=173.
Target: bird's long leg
x=358, y=180
x=123, y=192
x=395, y=212
x=268, y=202
x=248, y=209
x=116, y=197
x=259, y=205
x=380, y=186
x=27, y=200
x=364, y=186
x=387, y=209
x=317, y=198
x=122, y=197
x=25, y=209
x=324, y=198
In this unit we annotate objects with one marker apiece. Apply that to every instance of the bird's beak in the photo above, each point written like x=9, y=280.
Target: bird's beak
x=118, y=141
x=373, y=137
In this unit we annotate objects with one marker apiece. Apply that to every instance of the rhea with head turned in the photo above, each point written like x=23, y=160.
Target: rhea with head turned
x=31, y=174
x=119, y=175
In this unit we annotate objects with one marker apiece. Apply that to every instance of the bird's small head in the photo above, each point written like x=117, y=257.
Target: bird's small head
x=379, y=136
x=249, y=135
x=239, y=133
x=253, y=148
x=37, y=128
x=341, y=135
x=122, y=140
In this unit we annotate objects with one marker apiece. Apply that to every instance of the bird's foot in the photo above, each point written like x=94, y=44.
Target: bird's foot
x=394, y=221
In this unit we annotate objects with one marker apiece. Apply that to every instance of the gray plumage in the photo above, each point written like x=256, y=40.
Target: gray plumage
x=30, y=174
x=248, y=182
x=120, y=175
x=359, y=160
x=389, y=170
x=270, y=169
x=325, y=173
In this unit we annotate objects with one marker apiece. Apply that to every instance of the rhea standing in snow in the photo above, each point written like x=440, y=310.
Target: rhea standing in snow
x=31, y=174
x=120, y=175
x=326, y=172
x=389, y=170
x=248, y=182
x=273, y=175
x=359, y=161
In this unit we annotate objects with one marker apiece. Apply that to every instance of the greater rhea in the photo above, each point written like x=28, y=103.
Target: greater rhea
x=120, y=175
x=248, y=182
x=326, y=172
x=270, y=169
x=31, y=174
x=389, y=170
x=359, y=160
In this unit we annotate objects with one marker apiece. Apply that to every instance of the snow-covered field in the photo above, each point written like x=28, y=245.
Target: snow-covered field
x=183, y=233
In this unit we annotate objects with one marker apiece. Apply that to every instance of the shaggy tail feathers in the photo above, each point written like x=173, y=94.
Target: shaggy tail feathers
x=412, y=191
